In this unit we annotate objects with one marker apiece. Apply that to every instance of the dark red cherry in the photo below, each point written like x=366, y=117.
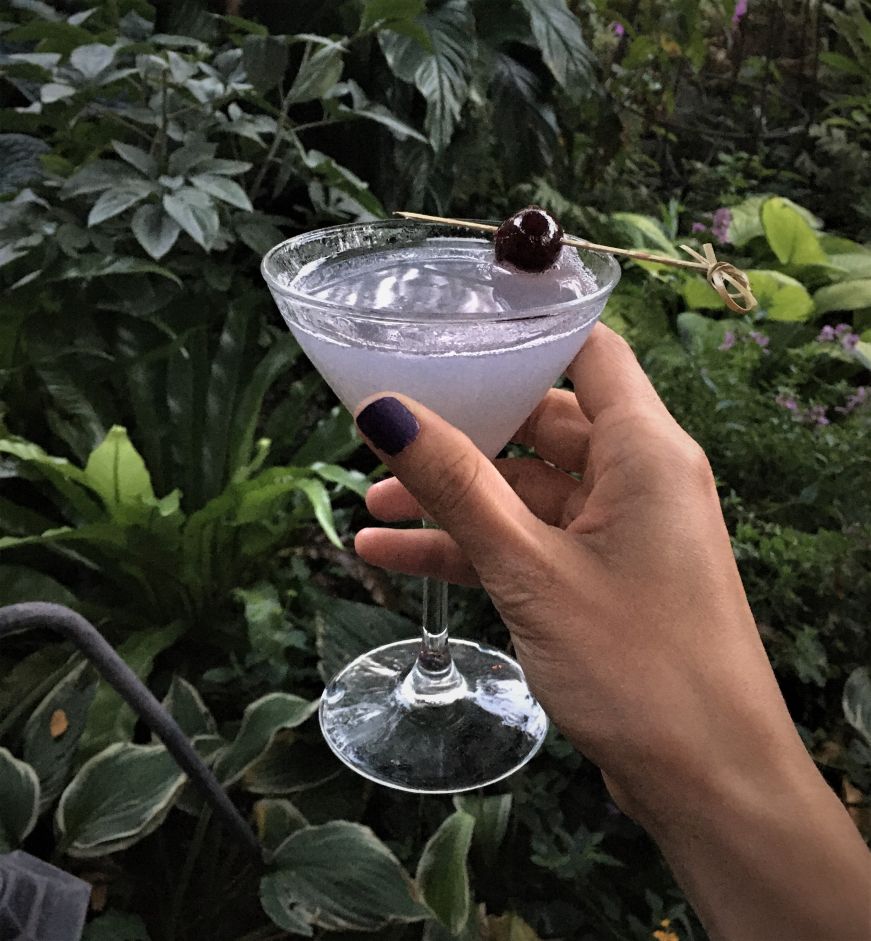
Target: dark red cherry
x=529, y=240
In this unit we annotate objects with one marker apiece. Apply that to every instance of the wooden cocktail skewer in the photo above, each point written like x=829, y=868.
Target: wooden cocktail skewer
x=720, y=274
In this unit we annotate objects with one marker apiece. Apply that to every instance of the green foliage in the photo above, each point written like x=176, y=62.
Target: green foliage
x=173, y=560
x=20, y=800
x=171, y=466
x=119, y=796
x=367, y=892
x=442, y=873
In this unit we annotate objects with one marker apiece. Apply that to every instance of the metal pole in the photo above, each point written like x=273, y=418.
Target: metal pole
x=72, y=626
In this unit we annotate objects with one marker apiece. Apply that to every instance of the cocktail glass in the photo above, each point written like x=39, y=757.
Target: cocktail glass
x=426, y=715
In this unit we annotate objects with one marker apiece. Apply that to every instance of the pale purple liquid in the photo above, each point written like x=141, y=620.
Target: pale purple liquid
x=439, y=323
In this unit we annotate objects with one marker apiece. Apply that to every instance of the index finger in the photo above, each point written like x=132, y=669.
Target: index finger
x=606, y=373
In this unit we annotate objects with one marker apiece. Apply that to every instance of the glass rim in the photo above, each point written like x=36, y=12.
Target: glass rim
x=378, y=315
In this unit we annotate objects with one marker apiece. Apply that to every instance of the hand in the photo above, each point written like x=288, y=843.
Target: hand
x=618, y=586
x=620, y=589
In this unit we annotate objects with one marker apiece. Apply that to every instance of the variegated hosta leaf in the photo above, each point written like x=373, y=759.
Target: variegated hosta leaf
x=117, y=798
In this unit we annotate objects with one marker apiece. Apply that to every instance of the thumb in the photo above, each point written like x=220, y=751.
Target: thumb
x=450, y=478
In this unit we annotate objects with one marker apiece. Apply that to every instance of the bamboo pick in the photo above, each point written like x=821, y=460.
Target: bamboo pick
x=719, y=274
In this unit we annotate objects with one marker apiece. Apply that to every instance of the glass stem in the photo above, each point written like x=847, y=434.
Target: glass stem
x=434, y=679
x=435, y=654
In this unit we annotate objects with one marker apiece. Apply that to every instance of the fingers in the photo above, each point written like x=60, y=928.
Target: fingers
x=429, y=552
x=390, y=502
x=606, y=373
x=558, y=431
x=545, y=490
x=449, y=477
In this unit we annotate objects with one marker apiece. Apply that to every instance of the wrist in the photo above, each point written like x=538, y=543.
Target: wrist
x=763, y=851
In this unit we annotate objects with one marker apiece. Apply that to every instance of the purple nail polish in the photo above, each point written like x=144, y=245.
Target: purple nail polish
x=388, y=424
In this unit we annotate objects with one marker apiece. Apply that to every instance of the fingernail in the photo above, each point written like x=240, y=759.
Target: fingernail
x=388, y=424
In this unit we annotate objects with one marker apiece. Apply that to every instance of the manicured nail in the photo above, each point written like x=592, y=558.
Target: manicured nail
x=388, y=424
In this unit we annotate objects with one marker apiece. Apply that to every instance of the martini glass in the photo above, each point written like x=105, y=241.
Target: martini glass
x=422, y=309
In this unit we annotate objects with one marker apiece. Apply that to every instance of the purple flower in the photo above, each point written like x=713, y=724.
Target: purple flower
x=854, y=401
x=841, y=329
x=740, y=12
x=787, y=402
x=720, y=225
x=849, y=341
x=760, y=339
x=816, y=415
x=698, y=227
x=618, y=29
x=728, y=340
x=827, y=334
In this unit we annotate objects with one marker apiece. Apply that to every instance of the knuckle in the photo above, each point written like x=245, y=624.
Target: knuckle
x=453, y=483
x=693, y=461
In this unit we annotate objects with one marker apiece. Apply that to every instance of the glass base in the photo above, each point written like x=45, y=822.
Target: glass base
x=470, y=725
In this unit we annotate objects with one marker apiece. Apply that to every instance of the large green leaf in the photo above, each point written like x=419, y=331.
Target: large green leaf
x=341, y=877
x=746, y=218
x=117, y=798
x=334, y=438
x=19, y=808
x=98, y=176
x=265, y=60
x=18, y=583
x=118, y=474
x=318, y=72
x=791, y=239
x=261, y=722
x=91, y=59
x=52, y=733
x=264, y=615
x=228, y=191
x=195, y=212
x=644, y=232
x=58, y=470
x=144, y=162
x=846, y=295
x=441, y=72
x=115, y=201
x=346, y=629
x=290, y=766
x=225, y=373
x=443, y=874
x=851, y=266
x=276, y=820
x=492, y=814
x=243, y=424
x=857, y=702
x=782, y=297
x=184, y=703
x=25, y=684
x=699, y=295
x=155, y=231
x=75, y=408
x=110, y=719
x=353, y=480
x=320, y=501
x=558, y=34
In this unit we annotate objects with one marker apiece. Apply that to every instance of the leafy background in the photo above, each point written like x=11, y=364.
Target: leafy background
x=171, y=466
